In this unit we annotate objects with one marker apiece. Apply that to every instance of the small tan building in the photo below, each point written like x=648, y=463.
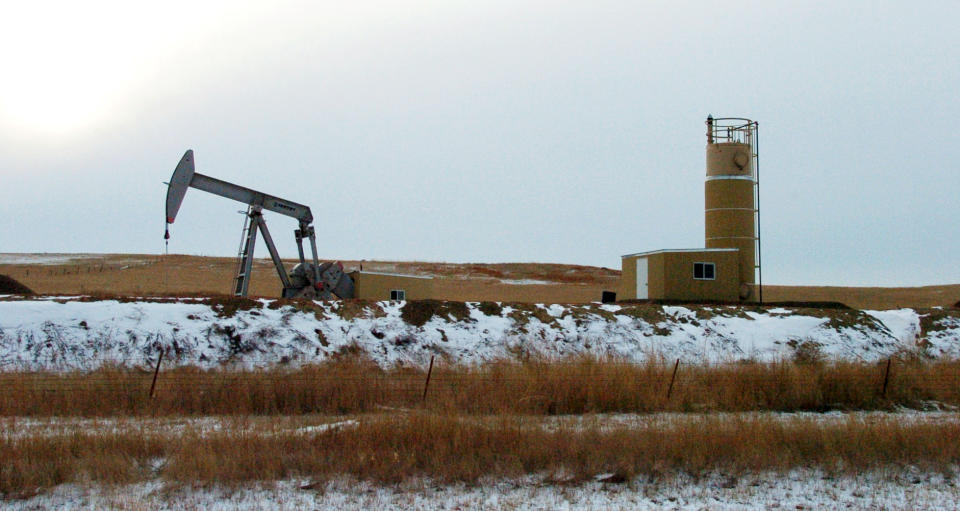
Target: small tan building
x=694, y=274
x=369, y=285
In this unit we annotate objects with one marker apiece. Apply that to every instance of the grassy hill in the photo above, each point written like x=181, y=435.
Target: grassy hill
x=513, y=282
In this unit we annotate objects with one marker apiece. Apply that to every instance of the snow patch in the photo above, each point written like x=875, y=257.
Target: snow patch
x=526, y=282
x=69, y=334
x=44, y=259
x=903, y=324
x=905, y=488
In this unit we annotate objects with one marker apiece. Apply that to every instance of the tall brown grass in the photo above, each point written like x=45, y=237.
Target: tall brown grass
x=449, y=448
x=572, y=386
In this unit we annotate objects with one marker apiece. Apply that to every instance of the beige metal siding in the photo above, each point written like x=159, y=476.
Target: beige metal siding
x=656, y=276
x=377, y=286
x=728, y=193
x=729, y=159
x=747, y=249
x=628, y=279
x=729, y=204
x=679, y=283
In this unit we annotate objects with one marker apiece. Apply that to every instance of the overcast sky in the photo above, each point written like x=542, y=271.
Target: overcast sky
x=488, y=131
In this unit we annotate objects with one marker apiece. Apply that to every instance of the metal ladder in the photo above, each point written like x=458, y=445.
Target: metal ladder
x=758, y=262
x=241, y=281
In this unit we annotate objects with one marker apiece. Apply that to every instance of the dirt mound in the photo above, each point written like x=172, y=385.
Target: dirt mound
x=418, y=312
x=9, y=286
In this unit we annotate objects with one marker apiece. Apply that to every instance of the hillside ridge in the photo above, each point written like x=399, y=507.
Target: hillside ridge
x=83, y=333
x=185, y=275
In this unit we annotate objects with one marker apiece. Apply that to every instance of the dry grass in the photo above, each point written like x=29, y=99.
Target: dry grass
x=448, y=448
x=477, y=422
x=141, y=274
x=872, y=298
x=574, y=386
x=42, y=461
x=181, y=275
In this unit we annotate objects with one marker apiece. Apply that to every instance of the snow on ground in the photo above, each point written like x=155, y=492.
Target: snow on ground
x=902, y=323
x=526, y=282
x=616, y=421
x=44, y=259
x=798, y=489
x=16, y=428
x=64, y=333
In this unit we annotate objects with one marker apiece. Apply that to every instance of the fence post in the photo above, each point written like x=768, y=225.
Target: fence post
x=155, y=373
x=673, y=377
x=886, y=377
x=427, y=384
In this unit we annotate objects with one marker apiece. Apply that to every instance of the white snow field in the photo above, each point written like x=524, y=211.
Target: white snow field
x=72, y=333
x=798, y=489
x=43, y=259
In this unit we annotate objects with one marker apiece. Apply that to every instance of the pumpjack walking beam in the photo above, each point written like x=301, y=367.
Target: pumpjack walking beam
x=185, y=176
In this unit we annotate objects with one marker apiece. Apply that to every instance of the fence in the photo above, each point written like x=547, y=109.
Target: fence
x=581, y=386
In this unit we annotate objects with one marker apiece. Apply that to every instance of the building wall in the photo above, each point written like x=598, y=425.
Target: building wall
x=627, y=290
x=464, y=290
x=670, y=276
x=377, y=286
x=679, y=283
x=656, y=275
x=628, y=276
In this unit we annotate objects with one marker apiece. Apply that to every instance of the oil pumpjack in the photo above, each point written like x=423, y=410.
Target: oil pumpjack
x=307, y=279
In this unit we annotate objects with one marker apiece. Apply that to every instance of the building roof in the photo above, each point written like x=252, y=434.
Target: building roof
x=394, y=274
x=669, y=250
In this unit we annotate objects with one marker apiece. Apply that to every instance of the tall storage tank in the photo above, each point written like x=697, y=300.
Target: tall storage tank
x=730, y=209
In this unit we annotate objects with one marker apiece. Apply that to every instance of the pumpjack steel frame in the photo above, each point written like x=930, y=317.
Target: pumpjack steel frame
x=321, y=281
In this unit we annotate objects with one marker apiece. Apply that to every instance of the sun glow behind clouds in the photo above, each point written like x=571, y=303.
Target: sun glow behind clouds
x=71, y=65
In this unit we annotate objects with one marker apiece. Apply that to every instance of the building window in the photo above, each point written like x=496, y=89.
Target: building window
x=398, y=294
x=704, y=271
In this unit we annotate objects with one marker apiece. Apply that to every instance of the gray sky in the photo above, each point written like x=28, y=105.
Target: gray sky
x=488, y=131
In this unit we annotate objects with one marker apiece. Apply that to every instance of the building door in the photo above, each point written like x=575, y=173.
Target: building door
x=642, y=292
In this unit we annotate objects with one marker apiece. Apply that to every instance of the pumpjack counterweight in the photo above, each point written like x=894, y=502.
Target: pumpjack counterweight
x=306, y=279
